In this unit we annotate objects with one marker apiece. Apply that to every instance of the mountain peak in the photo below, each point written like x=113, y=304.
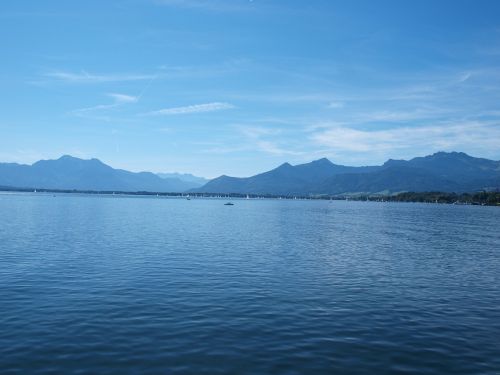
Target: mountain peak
x=394, y=162
x=441, y=154
x=284, y=165
x=323, y=161
x=71, y=160
x=68, y=157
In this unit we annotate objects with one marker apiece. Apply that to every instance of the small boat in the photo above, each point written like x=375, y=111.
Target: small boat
x=228, y=204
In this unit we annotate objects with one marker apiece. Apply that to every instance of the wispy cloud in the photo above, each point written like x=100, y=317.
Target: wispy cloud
x=398, y=115
x=85, y=77
x=256, y=132
x=118, y=100
x=196, y=108
x=336, y=105
x=467, y=136
x=122, y=98
x=255, y=139
x=273, y=148
x=261, y=139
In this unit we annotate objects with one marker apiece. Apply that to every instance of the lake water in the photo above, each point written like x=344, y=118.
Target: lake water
x=130, y=285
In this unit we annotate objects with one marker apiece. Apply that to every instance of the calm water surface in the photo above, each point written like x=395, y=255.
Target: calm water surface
x=132, y=285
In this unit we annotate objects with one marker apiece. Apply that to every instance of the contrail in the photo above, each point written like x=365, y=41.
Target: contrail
x=146, y=87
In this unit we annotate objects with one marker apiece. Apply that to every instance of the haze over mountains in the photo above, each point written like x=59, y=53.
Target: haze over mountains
x=447, y=172
x=186, y=177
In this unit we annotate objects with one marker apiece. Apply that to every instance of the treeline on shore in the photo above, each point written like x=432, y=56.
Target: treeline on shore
x=481, y=198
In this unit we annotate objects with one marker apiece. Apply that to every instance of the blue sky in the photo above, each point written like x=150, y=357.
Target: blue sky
x=238, y=87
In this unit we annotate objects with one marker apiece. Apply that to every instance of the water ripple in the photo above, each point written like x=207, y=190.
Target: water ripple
x=98, y=285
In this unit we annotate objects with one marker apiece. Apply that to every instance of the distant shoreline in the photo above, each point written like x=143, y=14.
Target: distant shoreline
x=478, y=198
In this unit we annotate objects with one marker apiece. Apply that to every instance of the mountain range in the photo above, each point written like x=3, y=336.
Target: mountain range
x=442, y=171
x=70, y=173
